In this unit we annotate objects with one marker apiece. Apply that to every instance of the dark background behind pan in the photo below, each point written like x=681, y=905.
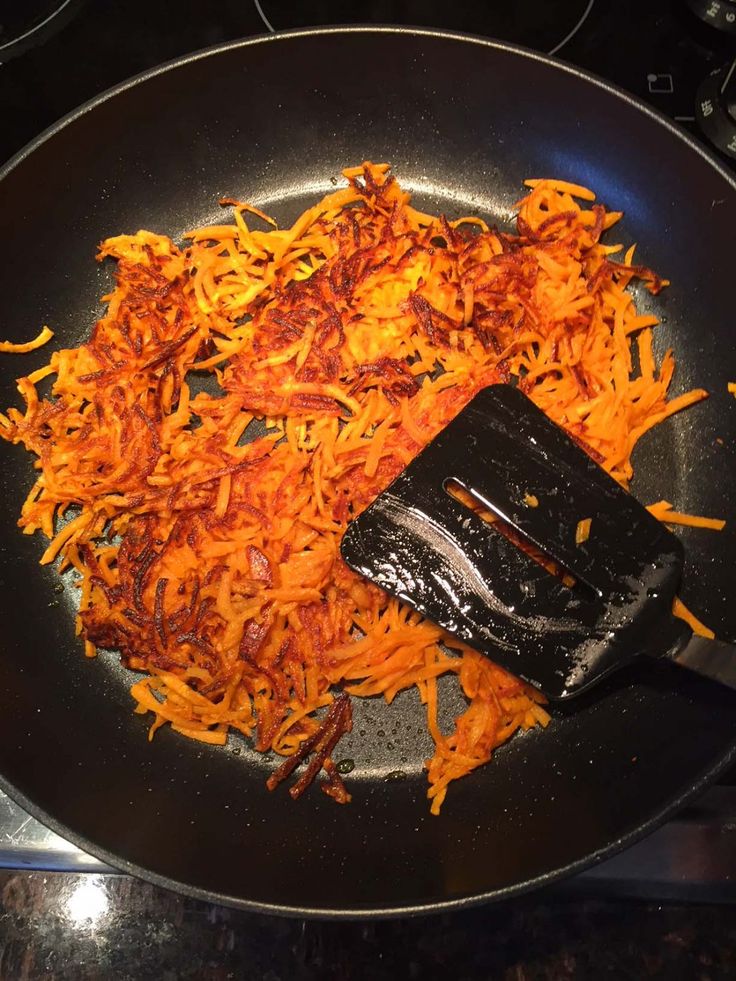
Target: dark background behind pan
x=463, y=123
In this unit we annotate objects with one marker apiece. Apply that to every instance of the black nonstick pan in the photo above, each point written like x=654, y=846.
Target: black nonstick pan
x=273, y=121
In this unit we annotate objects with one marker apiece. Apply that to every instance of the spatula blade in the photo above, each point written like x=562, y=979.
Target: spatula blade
x=423, y=546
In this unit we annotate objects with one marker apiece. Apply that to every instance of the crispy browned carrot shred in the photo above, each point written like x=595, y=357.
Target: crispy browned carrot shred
x=211, y=562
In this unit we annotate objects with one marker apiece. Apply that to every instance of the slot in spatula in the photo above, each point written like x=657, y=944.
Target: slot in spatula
x=430, y=550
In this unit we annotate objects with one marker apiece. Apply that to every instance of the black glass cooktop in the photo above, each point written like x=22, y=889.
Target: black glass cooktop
x=23, y=25
x=541, y=24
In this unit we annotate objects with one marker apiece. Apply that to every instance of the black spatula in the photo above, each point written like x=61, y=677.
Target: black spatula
x=427, y=548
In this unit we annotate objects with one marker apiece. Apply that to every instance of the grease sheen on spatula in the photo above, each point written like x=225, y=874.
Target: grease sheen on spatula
x=424, y=546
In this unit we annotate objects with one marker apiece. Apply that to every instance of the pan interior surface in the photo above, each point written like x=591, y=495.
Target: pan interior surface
x=463, y=123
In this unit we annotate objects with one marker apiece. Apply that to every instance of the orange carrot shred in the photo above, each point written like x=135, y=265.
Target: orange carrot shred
x=11, y=347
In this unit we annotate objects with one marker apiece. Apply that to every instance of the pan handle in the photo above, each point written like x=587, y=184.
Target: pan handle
x=714, y=659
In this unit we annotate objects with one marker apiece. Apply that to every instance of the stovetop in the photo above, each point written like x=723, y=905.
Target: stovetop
x=676, y=55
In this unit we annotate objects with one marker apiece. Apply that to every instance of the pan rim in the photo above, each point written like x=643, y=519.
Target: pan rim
x=416, y=908
x=468, y=901
x=388, y=29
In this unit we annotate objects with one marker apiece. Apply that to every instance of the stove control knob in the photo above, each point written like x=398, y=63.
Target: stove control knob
x=716, y=109
x=720, y=14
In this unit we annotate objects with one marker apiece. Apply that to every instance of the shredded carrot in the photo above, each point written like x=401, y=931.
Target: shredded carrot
x=10, y=347
x=208, y=554
x=576, y=190
x=680, y=610
x=582, y=532
x=663, y=511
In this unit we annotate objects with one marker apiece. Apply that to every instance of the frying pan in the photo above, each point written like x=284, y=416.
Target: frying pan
x=273, y=121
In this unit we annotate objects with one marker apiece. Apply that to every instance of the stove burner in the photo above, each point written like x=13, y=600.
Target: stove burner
x=23, y=25
x=545, y=25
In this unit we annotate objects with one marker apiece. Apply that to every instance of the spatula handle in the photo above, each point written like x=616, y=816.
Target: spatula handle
x=714, y=659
